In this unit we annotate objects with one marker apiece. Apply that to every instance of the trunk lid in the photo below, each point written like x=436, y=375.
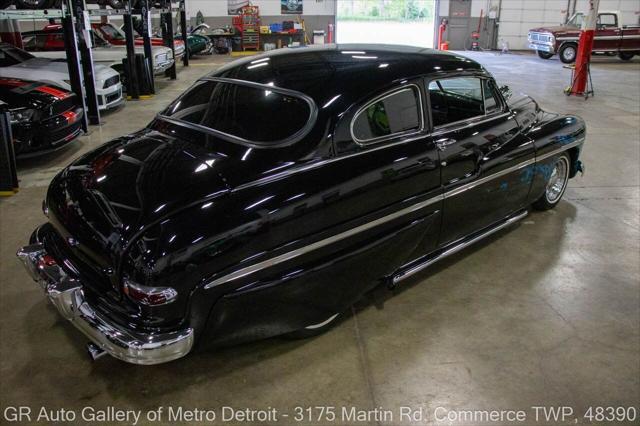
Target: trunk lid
x=101, y=201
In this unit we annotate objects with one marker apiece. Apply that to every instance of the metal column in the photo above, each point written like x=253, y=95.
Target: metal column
x=83, y=27
x=185, y=33
x=146, y=38
x=130, y=69
x=166, y=20
x=73, y=63
x=8, y=173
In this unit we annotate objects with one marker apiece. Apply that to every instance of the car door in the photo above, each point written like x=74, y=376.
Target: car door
x=483, y=154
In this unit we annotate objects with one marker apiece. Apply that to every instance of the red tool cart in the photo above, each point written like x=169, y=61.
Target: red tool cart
x=248, y=23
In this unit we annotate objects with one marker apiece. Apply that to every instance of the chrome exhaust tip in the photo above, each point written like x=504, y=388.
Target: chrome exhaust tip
x=95, y=351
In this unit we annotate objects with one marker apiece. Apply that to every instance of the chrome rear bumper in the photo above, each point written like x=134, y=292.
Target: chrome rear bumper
x=67, y=296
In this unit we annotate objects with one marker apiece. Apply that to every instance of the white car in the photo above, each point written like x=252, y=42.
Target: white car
x=18, y=63
x=49, y=43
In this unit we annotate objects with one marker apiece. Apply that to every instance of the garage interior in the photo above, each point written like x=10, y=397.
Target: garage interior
x=546, y=313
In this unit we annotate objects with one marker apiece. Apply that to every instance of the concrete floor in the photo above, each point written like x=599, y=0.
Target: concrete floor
x=546, y=313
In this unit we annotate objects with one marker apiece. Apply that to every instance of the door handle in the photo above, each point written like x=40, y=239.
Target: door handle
x=441, y=144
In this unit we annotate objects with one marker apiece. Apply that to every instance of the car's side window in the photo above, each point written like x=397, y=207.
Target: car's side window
x=491, y=103
x=394, y=113
x=455, y=99
x=607, y=20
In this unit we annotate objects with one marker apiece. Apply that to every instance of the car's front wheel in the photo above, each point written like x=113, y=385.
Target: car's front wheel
x=314, y=329
x=556, y=185
x=568, y=53
x=625, y=56
x=544, y=55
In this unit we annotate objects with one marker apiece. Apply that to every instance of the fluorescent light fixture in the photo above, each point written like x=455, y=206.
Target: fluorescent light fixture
x=353, y=52
x=364, y=57
x=257, y=61
x=383, y=65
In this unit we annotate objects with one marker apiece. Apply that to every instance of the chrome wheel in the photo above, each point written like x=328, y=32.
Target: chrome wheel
x=557, y=181
x=569, y=54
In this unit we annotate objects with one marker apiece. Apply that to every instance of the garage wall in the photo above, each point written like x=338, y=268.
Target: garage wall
x=317, y=14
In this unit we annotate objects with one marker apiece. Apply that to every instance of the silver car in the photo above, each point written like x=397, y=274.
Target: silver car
x=18, y=63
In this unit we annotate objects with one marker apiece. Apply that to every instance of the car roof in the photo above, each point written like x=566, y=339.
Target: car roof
x=352, y=71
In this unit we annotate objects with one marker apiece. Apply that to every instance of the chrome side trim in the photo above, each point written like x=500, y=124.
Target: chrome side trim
x=486, y=179
x=559, y=150
x=464, y=244
x=243, y=272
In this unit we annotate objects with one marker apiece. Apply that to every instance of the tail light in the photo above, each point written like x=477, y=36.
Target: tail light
x=149, y=296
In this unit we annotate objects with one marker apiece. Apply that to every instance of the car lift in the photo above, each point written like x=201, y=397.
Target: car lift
x=76, y=24
x=8, y=173
x=581, y=73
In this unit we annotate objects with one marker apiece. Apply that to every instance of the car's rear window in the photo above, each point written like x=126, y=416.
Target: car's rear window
x=249, y=113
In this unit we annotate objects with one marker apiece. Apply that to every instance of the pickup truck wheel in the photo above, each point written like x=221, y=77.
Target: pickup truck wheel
x=625, y=56
x=313, y=329
x=556, y=184
x=544, y=55
x=568, y=53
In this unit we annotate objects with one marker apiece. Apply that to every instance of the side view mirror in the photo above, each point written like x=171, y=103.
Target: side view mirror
x=506, y=91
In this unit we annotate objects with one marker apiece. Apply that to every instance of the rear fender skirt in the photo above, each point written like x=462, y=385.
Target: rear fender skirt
x=315, y=287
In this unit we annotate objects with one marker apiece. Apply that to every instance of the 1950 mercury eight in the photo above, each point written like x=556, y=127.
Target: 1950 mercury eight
x=277, y=190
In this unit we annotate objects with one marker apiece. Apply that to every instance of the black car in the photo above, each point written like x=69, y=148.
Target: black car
x=279, y=189
x=43, y=118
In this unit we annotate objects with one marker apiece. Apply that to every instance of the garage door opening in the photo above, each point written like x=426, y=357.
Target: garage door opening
x=409, y=22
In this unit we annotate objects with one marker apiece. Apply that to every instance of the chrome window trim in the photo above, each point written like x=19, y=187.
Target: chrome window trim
x=248, y=270
x=385, y=95
x=467, y=122
x=302, y=132
x=462, y=124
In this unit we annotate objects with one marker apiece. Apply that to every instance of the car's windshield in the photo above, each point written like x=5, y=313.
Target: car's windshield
x=576, y=20
x=242, y=112
x=201, y=29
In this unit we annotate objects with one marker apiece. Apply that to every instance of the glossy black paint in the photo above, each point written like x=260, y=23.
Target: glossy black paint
x=174, y=206
x=50, y=127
